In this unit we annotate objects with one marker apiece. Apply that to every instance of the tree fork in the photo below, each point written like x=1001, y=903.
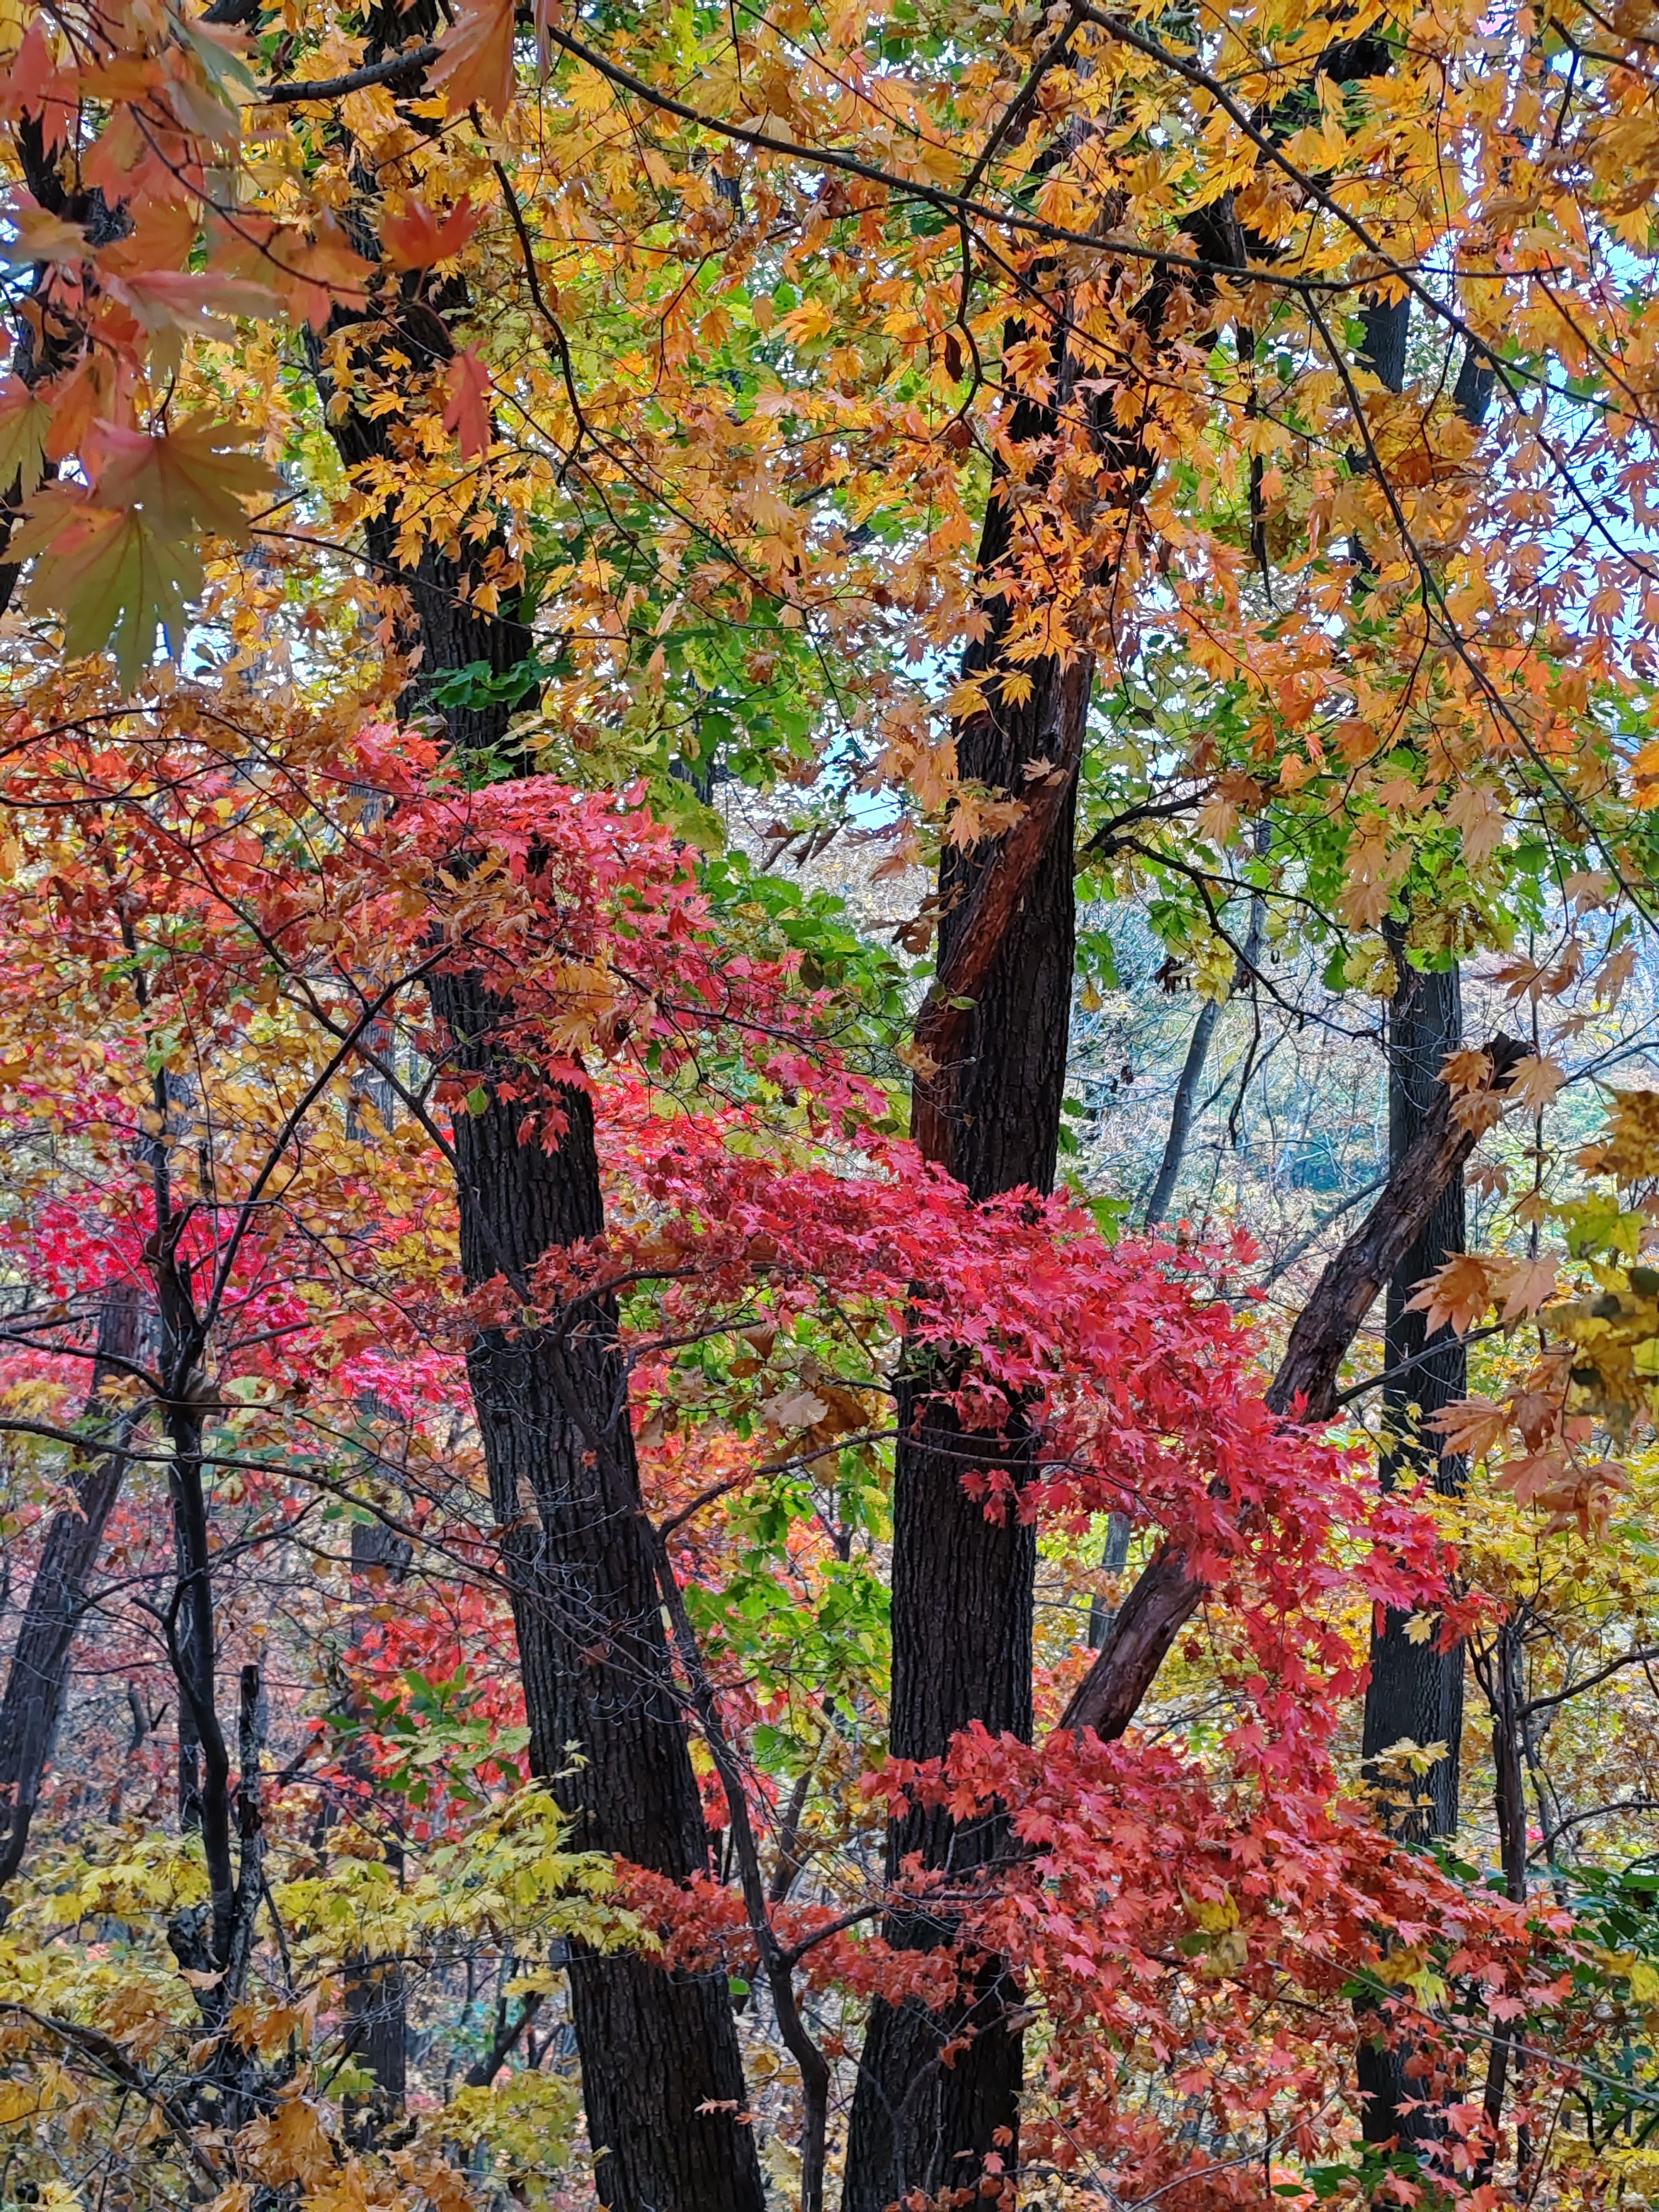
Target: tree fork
x=995, y=1031
x=1167, y=1593
x=962, y=1584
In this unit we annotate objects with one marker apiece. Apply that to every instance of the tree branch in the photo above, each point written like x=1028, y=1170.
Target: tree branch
x=1168, y=1594
x=292, y=93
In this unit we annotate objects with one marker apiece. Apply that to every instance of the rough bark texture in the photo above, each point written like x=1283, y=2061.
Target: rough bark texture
x=38, y=1674
x=552, y=1406
x=607, y=1727
x=1416, y=1690
x=961, y=1584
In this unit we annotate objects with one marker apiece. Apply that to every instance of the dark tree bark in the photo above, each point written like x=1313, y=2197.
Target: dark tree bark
x=962, y=1584
x=1416, y=1689
x=376, y=1998
x=662, y=2074
x=38, y=1678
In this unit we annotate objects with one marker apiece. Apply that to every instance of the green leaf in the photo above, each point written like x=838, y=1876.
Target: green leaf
x=120, y=561
x=25, y=419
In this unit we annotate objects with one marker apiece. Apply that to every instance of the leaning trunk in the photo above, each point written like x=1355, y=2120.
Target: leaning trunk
x=38, y=1677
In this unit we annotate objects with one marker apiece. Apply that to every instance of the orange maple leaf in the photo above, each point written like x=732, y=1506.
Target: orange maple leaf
x=477, y=61
x=419, y=239
x=1460, y=1293
x=1472, y=1425
x=468, y=412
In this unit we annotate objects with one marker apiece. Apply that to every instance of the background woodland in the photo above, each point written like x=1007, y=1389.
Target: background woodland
x=830, y=1085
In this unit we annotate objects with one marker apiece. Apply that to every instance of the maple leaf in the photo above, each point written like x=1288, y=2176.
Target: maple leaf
x=191, y=479
x=1467, y=1069
x=189, y=301
x=109, y=572
x=1477, y=812
x=292, y=2144
x=32, y=85
x=1458, y=1294
x=41, y=237
x=794, y=1408
x=418, y=238
x=1567, y=1491
x=318, y=274
x=1535, y=1081
x=467, y=413
x=1587, y=889
x=1614, y=973
x=476, y=64
x=1471, y=1427
x=1524, y=1285
x=25, y=420
x=120, y=561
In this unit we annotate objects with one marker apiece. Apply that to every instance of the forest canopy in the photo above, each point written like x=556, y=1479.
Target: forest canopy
x=830, y=1078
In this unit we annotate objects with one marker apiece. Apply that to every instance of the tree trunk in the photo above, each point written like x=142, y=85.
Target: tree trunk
x=38, y=1674
x=962, y=1584
x=662, y=2073
x=1415, y=1693
x=1416, y=1689
x=376, y=1998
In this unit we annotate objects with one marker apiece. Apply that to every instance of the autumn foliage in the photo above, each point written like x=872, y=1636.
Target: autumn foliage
x=483, y=485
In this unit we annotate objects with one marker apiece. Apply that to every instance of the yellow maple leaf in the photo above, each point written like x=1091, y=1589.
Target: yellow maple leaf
x=25, y=419
x=120, y=561
x=109, y=574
